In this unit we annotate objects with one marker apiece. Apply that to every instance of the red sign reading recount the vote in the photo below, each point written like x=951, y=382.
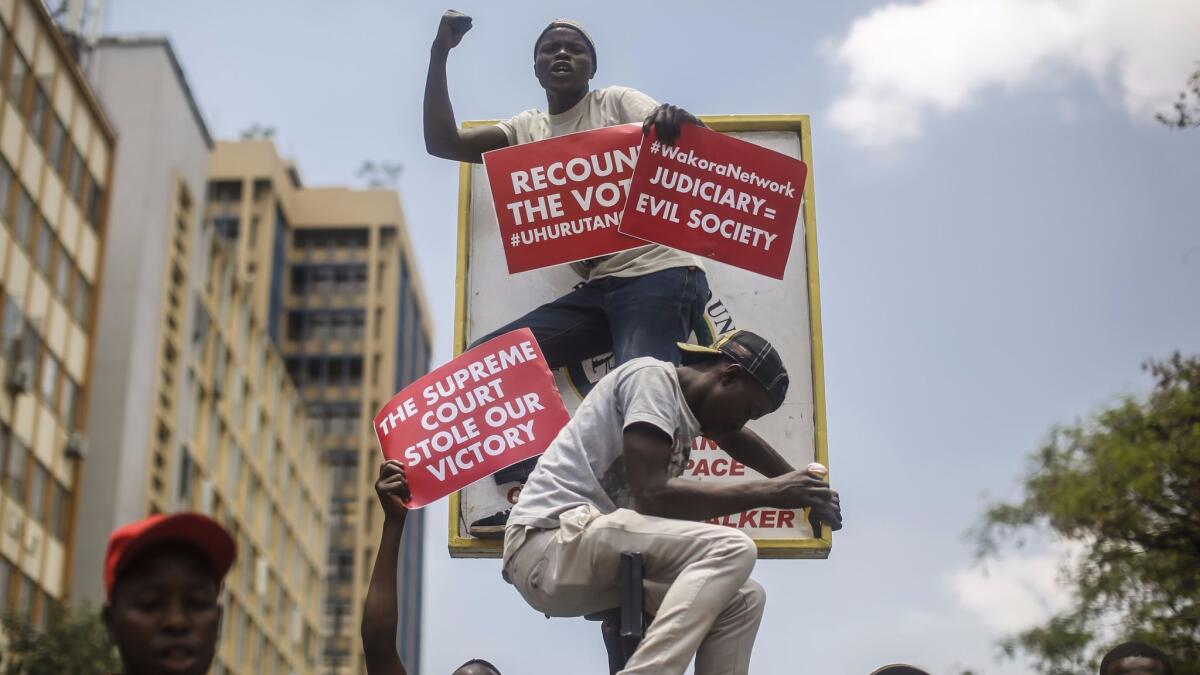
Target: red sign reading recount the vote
x=717, y=196
x=560, y=200
x=490, y=408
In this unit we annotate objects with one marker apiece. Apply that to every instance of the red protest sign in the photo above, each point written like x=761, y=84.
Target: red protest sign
x=490, y=408
x=560, y=200
x=717, y=196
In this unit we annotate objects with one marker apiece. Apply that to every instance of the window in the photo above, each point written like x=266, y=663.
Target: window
x=312, y=372
x=6, y=575
x=6, y=181
x=341, y=567
x=322, y=280
x=39, y=111
x=14, y=472
x=37, y=492
x=62, y=275
x=44, y=248
x=226, y=227
x=299, y=280
x=68, y=395
x=57, y=142
x=184, y=487
x=318, y=326
x=95, y=197
x=336, y=371
x=60, y=500
x=338, y=325
x=23, y=222
x=49, y=378
x=225, y=192
x=295, y=325
x=75, y=173
x=293, y=365
x=14, y=321
x=26, y=593
x=82, y=301
x=16, y=84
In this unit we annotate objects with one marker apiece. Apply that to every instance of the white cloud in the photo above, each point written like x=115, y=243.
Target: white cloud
x=906, y=61
x=1013, y=592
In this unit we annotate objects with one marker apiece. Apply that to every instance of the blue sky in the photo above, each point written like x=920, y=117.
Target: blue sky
x=1004, y=236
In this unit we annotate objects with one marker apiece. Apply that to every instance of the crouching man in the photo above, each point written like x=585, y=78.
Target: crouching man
x=610, y=483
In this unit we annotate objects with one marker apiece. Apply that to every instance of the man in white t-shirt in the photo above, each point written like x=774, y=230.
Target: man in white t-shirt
x=610, y=483
x=633, y=303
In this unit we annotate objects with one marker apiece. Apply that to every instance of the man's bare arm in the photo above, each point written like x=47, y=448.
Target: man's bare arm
x=647, y=455
x=380, y=620
x=443, y=138
x=750, y=449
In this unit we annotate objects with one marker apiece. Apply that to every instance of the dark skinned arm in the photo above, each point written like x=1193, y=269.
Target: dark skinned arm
x=380, y=620
x=667, y=120
x=750, y=449
x=443, y=138
x=647, y=455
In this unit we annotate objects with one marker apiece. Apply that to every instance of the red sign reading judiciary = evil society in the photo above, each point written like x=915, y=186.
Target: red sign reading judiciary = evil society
x=491, y=407
x=717, y=196
x=560, y=200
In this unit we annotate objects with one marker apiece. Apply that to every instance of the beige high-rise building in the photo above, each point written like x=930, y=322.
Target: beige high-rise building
x=334, y=270
x=56, y=148
x=194, y=409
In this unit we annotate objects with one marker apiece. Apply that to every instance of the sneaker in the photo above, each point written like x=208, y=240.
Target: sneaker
x=491, y=527
x=517, y=473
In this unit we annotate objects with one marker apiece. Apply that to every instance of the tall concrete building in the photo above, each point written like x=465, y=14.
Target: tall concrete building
x=56, y=148
x=198, y=412
x=334, y=269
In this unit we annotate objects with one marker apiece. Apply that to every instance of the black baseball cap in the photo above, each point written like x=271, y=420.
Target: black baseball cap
x=750, y=351
x=899, y=669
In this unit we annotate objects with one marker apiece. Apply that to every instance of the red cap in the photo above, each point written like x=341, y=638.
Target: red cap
x=196, y=529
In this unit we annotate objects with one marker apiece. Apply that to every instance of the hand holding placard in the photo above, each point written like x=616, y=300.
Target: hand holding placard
x=491, y=407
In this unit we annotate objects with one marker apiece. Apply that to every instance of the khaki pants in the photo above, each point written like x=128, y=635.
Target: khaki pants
x=697, y=581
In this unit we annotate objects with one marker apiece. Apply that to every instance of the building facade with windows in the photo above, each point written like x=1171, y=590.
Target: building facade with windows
x=56, y=149
x=198, y=411
x=335, y=268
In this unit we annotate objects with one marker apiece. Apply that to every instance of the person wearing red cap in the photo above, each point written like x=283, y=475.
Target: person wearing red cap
x=634, y=303
x=162, y=577
x=380, y=621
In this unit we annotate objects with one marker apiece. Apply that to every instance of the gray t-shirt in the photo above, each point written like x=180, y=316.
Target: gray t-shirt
x=600, y=108
x=585, y=462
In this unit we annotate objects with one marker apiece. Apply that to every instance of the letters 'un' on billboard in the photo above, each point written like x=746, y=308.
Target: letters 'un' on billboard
x=786, y=312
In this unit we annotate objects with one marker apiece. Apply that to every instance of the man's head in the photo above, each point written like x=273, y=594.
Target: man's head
x=163, y=579
x=477, y=667
x=1136, y=658
x=564, y=57
x=742, y=378
x=899, y=669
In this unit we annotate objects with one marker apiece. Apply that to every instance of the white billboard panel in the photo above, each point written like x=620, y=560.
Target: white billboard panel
x=785, y=312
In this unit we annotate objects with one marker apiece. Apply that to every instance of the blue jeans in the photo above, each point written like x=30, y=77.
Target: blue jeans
x=629, y=316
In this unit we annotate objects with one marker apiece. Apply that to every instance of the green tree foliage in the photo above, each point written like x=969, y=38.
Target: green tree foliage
x=1185, y=111
x=73, y=641
x=1126, y=487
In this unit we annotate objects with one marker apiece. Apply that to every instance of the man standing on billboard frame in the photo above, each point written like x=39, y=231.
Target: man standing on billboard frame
x=634, y=303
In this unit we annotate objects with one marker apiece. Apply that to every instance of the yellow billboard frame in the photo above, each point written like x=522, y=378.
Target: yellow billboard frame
x=470, y=547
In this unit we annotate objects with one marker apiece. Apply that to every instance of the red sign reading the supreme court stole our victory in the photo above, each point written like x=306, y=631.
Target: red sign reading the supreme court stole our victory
x=717, y=196
x=560, y=200
x=490, y=408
